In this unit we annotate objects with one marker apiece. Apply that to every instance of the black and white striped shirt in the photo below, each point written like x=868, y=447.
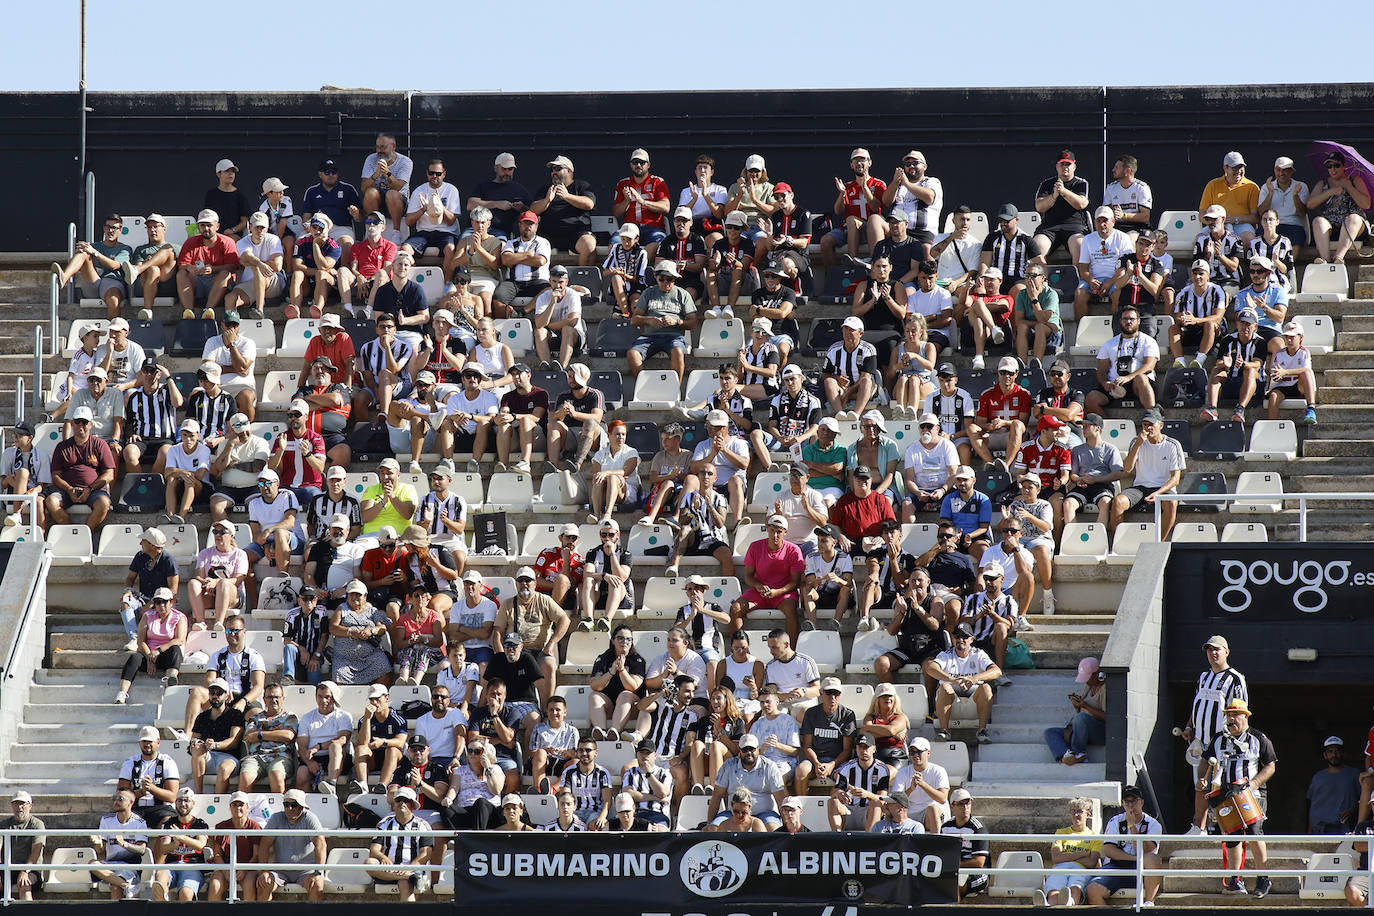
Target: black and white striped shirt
x=887, y=570
x=1281, y=252
x=150, y=415
x=586, y=788
x=455, y=505
x=324, y=507
x=767, y=355
x=1010, y=255
x=737, y=405
x=1004, y=606
x=371, y=359
x=951, y=409
x=634, y=261
x=876, y=779
x=794, y=415
x=403, y=850
x=1200, y=304
x=1241, y=758
x=305, y=630
x=670, y=727
x=699, y=517
x=575, y=827
x=212, y=413
x=1214, y=691
x=637, y=780
x=851, y=365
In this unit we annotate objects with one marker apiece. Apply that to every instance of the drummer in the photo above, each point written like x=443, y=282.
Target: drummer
x=1245, y=760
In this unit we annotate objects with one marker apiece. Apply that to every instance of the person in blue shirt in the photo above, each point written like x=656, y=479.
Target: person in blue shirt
x=100, y=266
x=971, y=513
x=338, y=200
x=1268, y=300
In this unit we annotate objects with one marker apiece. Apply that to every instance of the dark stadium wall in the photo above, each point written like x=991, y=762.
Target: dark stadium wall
x=156, y=151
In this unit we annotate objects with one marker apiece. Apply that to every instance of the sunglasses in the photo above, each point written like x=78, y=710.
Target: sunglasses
x=161, y=601
x=291, y=804
x=927, y=426
x=232, y=632
x=439, y=174
x=639, y=162
x=1005, y=372
x=81, y=422
x=1058, y=374
x=945, y=536
x=372, y=222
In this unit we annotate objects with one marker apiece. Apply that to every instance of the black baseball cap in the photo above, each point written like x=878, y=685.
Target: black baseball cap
x=1132, y=792
x=946, y=370
x=962, y=630
x=328, y=164
x=418, y=741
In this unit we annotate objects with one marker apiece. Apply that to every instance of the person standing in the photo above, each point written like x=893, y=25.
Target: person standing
x=1333, y=795
x=1244, y=760
x=1216, y=687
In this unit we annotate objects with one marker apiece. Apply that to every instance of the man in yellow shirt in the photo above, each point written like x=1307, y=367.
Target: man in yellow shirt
x=389, y=501
x=1237, y=194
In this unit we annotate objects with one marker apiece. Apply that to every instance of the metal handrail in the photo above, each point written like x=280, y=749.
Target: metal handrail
x=22, y=631
x=1302, y=499
x=54, y=292
x=90, y=205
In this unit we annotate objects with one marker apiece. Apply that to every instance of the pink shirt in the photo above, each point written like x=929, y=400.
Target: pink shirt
x=160, y=631
x=774, y=569
x=235, y=562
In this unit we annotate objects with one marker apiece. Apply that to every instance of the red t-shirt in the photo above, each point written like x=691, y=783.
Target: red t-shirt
x=999, y=306
x=549, y=564
x=1045, y=462
x=653, y=188
x=1012, y=405
x=855, y=204
x=293, y=470
x=80, y=465
x=220, y=251
x=368, y=258
x=378, y=565
x=339, y=352
x=860, y=518
x=774, y=569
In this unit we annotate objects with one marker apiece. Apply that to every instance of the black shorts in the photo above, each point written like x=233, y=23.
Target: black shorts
x=1266, y=334
x=1058, y=235
x=704, y=547
x=150, y=446
x=1136, y=495
x=1130, y=394
x=1089, y=495
x=1287, y=391
x=907, y=654
x=599, y=597
x=828, y=597
x=1191, y=336
x=35, y=879
x=240, y=495
x=565, y=239
x=332, y=440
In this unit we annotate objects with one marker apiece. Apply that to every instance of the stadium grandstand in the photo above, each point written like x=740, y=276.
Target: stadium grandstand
x=479, y=463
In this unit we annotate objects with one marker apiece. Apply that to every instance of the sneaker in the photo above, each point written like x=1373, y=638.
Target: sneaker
x=521, y=467
x=12, y=520
x=188, y=315
x=585, y=626
x=1021, y=624
x=1233, y=886
x=807, y=626
x=868, y=625
x=327, y=787
x=208, y=314
x=348, y=307
x=178, y=734
x=1035, y=363
x=1238, y=415
x=1002, y=681
x=978, y=362
x=1179, y=363
x=172, y=680
x=544, y=786
x=378, y=789
x=1208, y=414
x=1263, y=886
x=1071, y=759
x=571, y=466
x=745, y=521
x=598, y=734
x=1309, y=416
x=357, y=787
x=712, y=313
x=983, y=736
x=316, y=311
x=288, y=680
x=698, y=789
x=292, y=310
x=416, y=468
x=671, y=571
x=127, y=271
x=942, y=734
x=550, y=467
x=692, y=413
x=645, y=522
x=544, y=365
x=630, y=737
x=500, y=467
x=998, y=335
x=176, y=519
x=1197, y=362
x=473, y=467
x=122, y=697
x=1047, y=602
x=422, y=881
x=131, y=890
x=145, y=314
x=834, y=624
x=603, y=625
x=131, y=646
x=727, y=312
x=1038, y=898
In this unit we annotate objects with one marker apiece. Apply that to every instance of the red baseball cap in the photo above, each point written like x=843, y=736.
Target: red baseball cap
x=782, y=187
x=529, y=216
x=1048, y=421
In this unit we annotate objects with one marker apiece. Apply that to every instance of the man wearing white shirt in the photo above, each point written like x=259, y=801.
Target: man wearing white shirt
x=1129, y=198
x=468, y=416
x=959, y=254
x=932, y=302
x=1287, y=197
x=1098, y=255
x=120, y=356
x=926, y=785
x=1158, y=464
x=1125, y=364
x=432, y=216
x=558, y=311
x=528, y=257
x=444, y=726
x=386, y=178
x=261, y=256
x=804, y=509
x=917, y=196
x=187, y=467
x=235, y=352
x=964, y=671
x=928, y=469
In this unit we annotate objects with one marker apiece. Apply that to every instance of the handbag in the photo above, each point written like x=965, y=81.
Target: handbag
x=1018, y=654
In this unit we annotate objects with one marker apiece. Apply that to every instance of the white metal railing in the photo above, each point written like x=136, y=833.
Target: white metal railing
x=90, y=205
x=233, y=866
x=1302, y=499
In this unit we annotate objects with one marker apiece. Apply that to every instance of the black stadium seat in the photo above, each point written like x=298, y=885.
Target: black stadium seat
x=590, y=277
x=1221, y=440
x=976, y=381
x=148, y=335
x=825, y=333
x=361, y=330
x=614, y=336
x=191, y=334
x=1183, y=387
x=1182, y=432
x=642, y=436
x=840, y=283
x=1199, y=482
x=1033, y=379
x=143, y=493
x=186, y=382
x=996, y=485
x=1083, y=379
x=611, y=386
x=552, y=381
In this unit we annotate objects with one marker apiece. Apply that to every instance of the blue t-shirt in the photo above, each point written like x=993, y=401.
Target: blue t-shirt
x=332, y=202
x=152, y=574
x=1272, y=297
x=305, y=250
x=408, y=300
x=967, y=514
x=394, y=725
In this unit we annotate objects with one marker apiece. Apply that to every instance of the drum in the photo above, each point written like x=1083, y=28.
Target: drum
x=1236, y=808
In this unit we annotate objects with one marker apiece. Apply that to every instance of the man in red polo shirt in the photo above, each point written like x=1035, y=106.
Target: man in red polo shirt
x=336, y=346
x=207, y=266
x=642, y=199
x=369, y=259
x=558, y=570
x=1044, y=457
x=860, y=204
x=330, y=404
x=1003, y=412
x=861, y=512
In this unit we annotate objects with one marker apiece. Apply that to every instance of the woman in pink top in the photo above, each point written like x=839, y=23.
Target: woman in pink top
x=221, y=571
x=161, y=634
x=418, y=637
x=773, y=570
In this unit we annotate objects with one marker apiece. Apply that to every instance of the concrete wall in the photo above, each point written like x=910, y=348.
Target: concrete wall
x=22, y=591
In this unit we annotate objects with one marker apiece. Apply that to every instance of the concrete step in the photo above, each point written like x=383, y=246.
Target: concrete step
x=96, y=639
x=86, y=713
x=1036, y=773
x=1032, y=752
x=1354, y=340
x=102, y=659
x=60, y=756
x=1346, y=358
x=1343, y=394
x=106, y=731
x=1335, y=448
x=1035, y=789
x=94, y=772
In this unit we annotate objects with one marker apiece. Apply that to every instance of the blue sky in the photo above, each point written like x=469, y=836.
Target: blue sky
x=137, y=45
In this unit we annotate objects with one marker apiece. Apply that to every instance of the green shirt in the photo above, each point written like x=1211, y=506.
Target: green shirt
x=389, y=516
x=812, y=451
x=118, y=252
x=22, y=845
x=1049, y=300
x=144, y=252
x=675, y=303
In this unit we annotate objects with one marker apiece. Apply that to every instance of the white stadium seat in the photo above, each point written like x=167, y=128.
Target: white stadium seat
x=278, y=388
x=516, y=333
x=1093, y=332
x=1258, y=483
x=1323, y=283
x=1182, y=227
x=296, y=336
x=118, y=544
x=656, y=389
x=431, y=282
x=701, y=384
x=1244, y=533
x=1018, y=885
x=1272, y=440
x=1194, y=533
x=1129, y=537
x=1083, y=543
x=70, y=545
x=510, y=491
x=721, y=337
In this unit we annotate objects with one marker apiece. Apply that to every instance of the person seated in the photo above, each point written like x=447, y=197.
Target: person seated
x=1098, y=257
x=741, y=818
x=1291, y=373
x=859, y=209
x=575, y=421
x=1236, y=374
x=1157, y=462
x=926, y=784
x=25, y=471
x=1237, y=195
x=606, y=579
x=1036, y=312
x=1016, y=565
x=668, y=727
x=1072, y=859
x=918, y=622
x=216, y=739
x=1062, y=202
x=401, y=851
x=1267, y=299
x=1121, y=855
x=827, y=737
x=307, y=849
x=769, y=305
x=737, y=405
x=244, y=850
x=468, y=417
x=648, y=788
x=432, y=216
x=1337, y=205
x=829, y=582
x=124, y=844
x=262, y=259
x=565, y=205
x=315, y=268
x=379, y=737
x=1003, y=414
x=268, y=737
x=83, y=468
x=700, y=517
x=150, y=412
x=860, y=513
x=987, y=310
x=625, y=270
x=498, y=725
x=552, y=751
x=928, y=469
x=1125, y=366
x=896, y=819
x=911, y=371
x=973, y=851
x=1087, y=719
x=888, y=568
x=102, y=266
x=1139, y=280
x=731, y=261
x=992, y=615
x=386, y=181
x=402, y=298
x=968, y=512
x=152, y=266
x=860, y=784
x=963, y=671
x=1038, y=519
x=1220, y=248
x=1095, y=468
x=187, y=848
x=558, y=315
x=851, y=371
x=663, y=314
x=773, y=570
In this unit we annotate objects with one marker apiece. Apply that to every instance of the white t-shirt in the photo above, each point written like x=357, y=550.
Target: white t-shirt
x=930, y=304
x=1134, y=351
x=254, y=449
x=216, y=351
x=441, y=733
x=1101, y=255
x=617, y=462
x=800, y=526
x=36, y=460
x=1281, y=202
x=485, y=404
x=522, y=273
x=918, y=800
x=725, y=469
x=268, y=514
x=123, y=364
x=787, y=731
x=976, y=663
x=318, y=729
x=344, y=569
x=264, y=250
x=691, y=663
x=197, y=459
x=401, y=169
x=567, y=307
x=1130, y=200
x=960, y=257
x=419, y=203
x=1155, y=462
x=819, y=566
x=800, y=672
x=699, y=209
x=995, y=554
x=473, y=618
x=1287, y=362
x=932, y=465
x=131, y=767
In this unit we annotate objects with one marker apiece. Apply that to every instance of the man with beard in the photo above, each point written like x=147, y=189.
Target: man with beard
x=206, y=263
x=298, y=455
x=386, y=182
x=642, y=199
x=918, y=197
x=859, y=205
x=565, y=205
x=528, y=257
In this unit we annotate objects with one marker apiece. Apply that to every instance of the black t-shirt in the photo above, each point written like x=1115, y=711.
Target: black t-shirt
x=634, y=665
x=152, y=574
x=393, y=726
x=1051, y=398
x=829, y=731
x=1132, y=292
x=880, y=317
x=901, y=254
x=443, y=370
x=231, y=206
x=745, y=248
x=1060, y=215
x=590, y=400
x=796, y=224
x=482, y=724
x=952, y=570
x=519, y=675
x=773, y=300
x=503, y=221
x=673, y=248
x=561, y=217
x=408, y=300
x=912, y=634
x=217, y=729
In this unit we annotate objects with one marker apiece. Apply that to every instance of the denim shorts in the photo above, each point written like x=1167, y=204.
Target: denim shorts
x=650, y=344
